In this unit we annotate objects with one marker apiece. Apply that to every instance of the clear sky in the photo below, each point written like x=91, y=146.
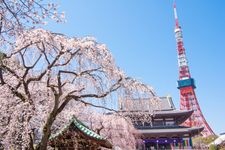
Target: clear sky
x=140, y=35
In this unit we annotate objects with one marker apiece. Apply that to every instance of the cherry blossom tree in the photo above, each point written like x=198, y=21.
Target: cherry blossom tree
x=45, y=71
x=117, y=129
x=19, y=15
x=47, y=78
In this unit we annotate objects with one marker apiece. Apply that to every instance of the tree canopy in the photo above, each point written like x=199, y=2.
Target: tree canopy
x=49, y=77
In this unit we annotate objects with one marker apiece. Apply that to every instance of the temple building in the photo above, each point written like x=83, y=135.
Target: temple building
x=77, y=136
x=160, y=125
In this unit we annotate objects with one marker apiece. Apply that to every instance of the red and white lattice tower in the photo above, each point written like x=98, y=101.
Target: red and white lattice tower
x=186, y=85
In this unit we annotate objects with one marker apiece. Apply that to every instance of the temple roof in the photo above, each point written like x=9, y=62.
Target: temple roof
x=87, y=133
x=173, y=130
x=179, y=115
x=146, y=104
x=166, y=103
x=163, y=109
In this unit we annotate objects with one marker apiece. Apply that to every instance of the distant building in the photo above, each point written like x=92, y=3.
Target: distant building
x=164, y=131
x=219, y=140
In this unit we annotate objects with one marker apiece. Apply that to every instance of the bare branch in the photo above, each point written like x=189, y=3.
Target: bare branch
x=18, y=94
x=14, y=14
x=96, y=106
x=71, y=56
x=46, y=58
x=68, y=72
x=113, y=88
x=59, y=84
x=12, y=72
x=44, y=72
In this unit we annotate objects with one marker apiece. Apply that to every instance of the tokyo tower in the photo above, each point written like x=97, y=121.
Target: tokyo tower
x=186, y=85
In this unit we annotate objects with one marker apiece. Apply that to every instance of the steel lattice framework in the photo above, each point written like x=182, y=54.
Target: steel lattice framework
x=186, y=85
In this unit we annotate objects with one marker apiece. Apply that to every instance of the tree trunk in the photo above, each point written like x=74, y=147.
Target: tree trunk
x=1, y=76
x=46, y=132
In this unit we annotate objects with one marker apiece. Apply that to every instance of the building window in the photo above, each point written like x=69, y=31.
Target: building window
x=169, y=119
x=170, y=123
x=158, y=123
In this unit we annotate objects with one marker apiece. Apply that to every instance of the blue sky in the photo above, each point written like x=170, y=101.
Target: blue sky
x=141, y=38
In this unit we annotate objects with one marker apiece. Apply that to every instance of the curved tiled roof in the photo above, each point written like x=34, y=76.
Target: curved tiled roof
x=88, y=133
x=175, y=130
x=86, y=130
x=145, y=104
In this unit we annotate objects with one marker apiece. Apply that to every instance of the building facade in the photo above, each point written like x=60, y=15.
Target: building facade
x=161, y=126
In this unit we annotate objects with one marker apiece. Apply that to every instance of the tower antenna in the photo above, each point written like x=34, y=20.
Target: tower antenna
x=175, y=13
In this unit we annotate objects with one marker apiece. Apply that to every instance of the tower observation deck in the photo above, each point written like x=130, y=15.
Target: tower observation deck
x=186, y=85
